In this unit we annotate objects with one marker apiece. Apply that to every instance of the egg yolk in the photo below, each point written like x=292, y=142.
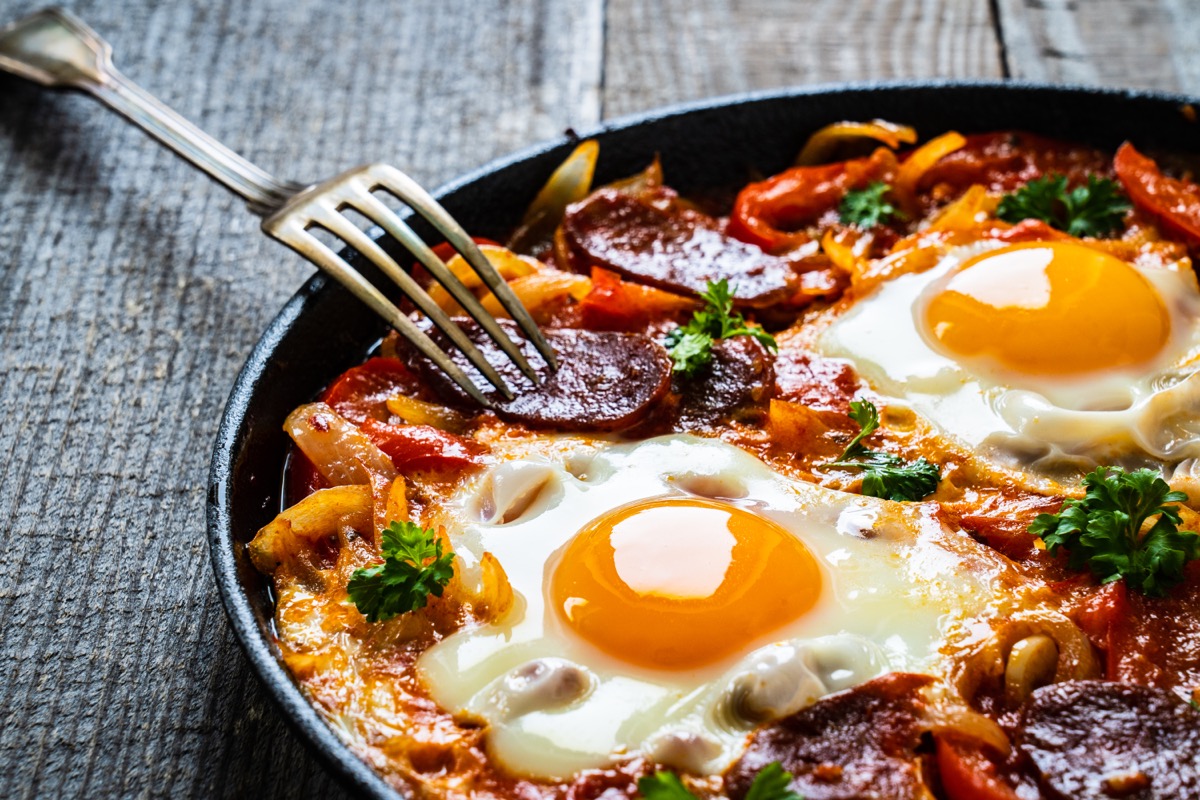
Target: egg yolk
x=677, y=583
x=1049, y=308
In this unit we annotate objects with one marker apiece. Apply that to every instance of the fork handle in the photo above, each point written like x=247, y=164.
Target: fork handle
x=55, y=49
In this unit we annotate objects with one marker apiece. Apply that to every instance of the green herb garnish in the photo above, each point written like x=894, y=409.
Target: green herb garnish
x=867, y=207
x=1096, y=209
x=1103, y=531
x=663, y=785
x=404, y=581
x=691, y=345
x=771, y=783
x=885, y=475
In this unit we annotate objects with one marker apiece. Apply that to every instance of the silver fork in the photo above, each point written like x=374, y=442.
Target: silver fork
x=55, y=49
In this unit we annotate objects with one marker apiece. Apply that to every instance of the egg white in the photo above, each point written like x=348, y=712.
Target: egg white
x=1053, y=426
x=896, y=584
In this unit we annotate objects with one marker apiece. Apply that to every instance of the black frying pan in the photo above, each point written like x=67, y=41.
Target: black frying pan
x=323, y=330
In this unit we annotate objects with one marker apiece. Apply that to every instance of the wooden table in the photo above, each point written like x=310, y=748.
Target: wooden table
x=131, y=290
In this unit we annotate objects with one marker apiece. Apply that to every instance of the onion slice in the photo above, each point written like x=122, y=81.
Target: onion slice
x=336, y=447
x=821, y=144
x=568, y=184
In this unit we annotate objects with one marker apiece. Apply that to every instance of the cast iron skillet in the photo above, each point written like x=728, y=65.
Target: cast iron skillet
x=323, y=330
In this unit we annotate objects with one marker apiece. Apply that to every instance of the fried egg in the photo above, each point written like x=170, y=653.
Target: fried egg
x=1043, y=354
x=675, y=593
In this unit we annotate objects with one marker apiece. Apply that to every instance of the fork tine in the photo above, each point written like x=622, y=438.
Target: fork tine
x=384, y=217
x=409, y=191
x=348, y=232
x=292, y=233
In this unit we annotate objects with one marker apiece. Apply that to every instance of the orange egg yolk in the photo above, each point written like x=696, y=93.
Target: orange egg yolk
x=1049, y=308
x=678, y=583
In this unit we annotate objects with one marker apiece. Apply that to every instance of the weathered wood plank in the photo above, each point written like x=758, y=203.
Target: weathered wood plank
x=130, y=292
x=725, y=46
x=1144, y=44
x=126, y=306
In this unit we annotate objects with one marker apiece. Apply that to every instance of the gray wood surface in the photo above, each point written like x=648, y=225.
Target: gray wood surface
x=131, y=290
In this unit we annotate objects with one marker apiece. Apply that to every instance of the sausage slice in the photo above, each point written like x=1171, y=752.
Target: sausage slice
x=675, y=250
x=1099, y=740
x=855, y=744
x=606, y=381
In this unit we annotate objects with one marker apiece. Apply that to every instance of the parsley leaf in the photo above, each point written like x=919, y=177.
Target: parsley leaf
x=663, y=785
x=866, y=208
x=885, y=475
x=866, y=415
x=893, y=478
x=1103, y=531
x=690, y=345
x=771, y=783
x=403, y=582
x=1096, y=209
x=689, y=351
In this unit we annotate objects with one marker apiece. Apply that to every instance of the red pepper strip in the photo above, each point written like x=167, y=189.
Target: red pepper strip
x=361, y=393
x=770, y=213
x=1173, y=202
x=618, y=305
x=419, y=448
x=445, y=251
x=968, y=773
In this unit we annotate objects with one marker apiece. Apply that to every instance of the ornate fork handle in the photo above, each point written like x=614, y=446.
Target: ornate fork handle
x=57, y=50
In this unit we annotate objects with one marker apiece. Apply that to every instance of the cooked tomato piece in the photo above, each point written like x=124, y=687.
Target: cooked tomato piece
x=361, y=393
x=1001, y=520
x=419, y=448
x=1105, y=618
x=969, y=772
x=771, y=213
x=1173, y=202
x=1152, y=641
x=1004, y=160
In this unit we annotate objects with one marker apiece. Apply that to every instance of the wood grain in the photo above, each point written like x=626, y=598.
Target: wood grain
x=1142, y=44
x=131, y=290
x=725, y=46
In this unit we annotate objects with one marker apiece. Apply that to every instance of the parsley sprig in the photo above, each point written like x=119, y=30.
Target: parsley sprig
x=885, y=475
x=413, y=568
x=1095, y=209
x=867, y=207
x=691, y=345
x=771, y=783
x=1103, y=531
x=663, y=785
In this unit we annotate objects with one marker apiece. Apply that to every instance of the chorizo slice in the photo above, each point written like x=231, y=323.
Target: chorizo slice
x=1100, y=739
x=854, y=744
x=737, y=385
x=679, y=251
x=606, y=381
